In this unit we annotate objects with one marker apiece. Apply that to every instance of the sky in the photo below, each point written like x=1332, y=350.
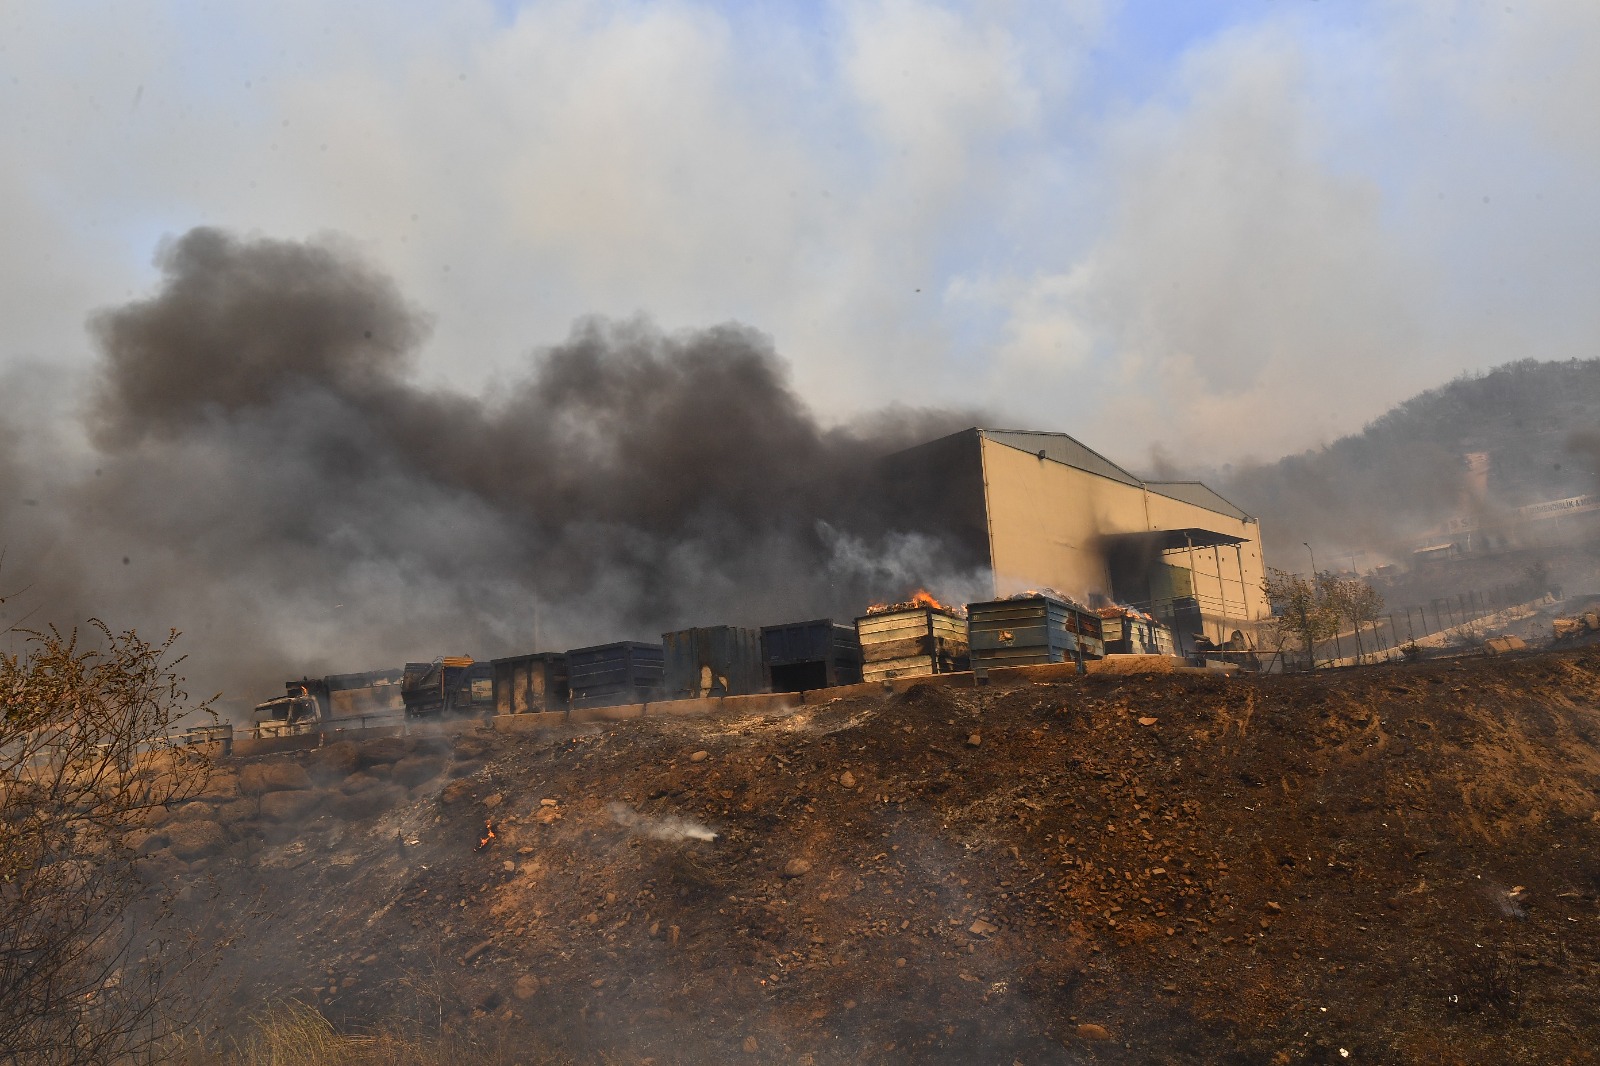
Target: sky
x=1206, y=232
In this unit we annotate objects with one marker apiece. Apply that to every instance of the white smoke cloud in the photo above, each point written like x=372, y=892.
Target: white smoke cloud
x=673, y=827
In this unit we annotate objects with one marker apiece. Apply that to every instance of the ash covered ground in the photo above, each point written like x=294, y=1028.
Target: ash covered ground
x=1390, y=864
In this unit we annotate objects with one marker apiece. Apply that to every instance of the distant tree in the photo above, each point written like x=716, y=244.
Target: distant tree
x=1353, y=600
x=1302, y=614
x=88, y=964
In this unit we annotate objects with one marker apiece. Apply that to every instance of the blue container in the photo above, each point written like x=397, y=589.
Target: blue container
x=820, y=653
x=1030, y=630
x=712, y=661
x=609, y=675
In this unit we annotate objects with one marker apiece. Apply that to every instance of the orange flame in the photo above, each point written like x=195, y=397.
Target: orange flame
x=920, y=599
x=488, y=835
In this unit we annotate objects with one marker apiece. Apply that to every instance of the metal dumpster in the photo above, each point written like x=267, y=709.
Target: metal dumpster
x=525, y=684
x=711, y=661
x=912, y=641
x=449, y=685
x=1029, y=630
x=806, y=655
x=609, y=675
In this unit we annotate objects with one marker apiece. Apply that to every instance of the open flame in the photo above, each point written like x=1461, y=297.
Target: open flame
x=921, y=598
x=488, y=835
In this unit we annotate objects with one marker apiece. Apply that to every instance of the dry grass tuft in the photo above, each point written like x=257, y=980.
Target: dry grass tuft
x=297, y=1035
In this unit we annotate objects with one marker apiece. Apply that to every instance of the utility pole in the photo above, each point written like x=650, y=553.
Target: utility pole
x=1305, y=623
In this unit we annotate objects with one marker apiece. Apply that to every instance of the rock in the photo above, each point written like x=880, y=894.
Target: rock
x=509, y=867
x=359, y=782
x=751, y=1045
x=367, y=803
x=239, y=810
x=1093, y=1031
x=526, y=987
x=979, y=927
x=287, y=806
x=847, y=779
x=470, y=746
x=262, y=777
x=796, y=868
x=455, y=792
x=699, y=756
x=193, y=811
x=194, y=840
x=386, y=750
x=144, y=841
x=1148, y=721
x=494, y=800
x=160, y=865
x=1273, y=907
x=334, y=761
x=975, y=740
x=549, y=803
x=221, y=785
x=415, y=769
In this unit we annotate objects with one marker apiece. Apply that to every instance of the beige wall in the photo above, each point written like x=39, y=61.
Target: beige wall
x=1045, y=520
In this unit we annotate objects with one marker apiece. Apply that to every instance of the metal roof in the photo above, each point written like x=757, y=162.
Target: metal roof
x=1063, y=449
x=1074, y=453
x=1199, y=494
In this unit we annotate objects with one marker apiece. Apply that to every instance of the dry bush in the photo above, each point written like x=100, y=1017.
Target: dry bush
x=297, y=1035
x=89, y=965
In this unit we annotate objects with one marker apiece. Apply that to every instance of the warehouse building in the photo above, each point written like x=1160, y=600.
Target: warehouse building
x=1041, y=510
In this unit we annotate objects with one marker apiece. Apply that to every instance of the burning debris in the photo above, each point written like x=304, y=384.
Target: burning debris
x=920, y=600
x=488, y=835
x=672, y=827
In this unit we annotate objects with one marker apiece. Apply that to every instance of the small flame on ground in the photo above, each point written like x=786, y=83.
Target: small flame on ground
x=488, y=835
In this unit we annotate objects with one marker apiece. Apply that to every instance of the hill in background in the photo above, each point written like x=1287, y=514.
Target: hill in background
x=1406, y=472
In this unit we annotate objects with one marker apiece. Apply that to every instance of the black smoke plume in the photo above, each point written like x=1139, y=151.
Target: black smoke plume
x=268, y=478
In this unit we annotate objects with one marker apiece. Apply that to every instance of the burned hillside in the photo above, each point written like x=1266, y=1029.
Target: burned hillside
x=1391, y=864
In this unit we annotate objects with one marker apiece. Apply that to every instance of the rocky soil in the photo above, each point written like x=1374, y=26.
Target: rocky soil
x=1389, y=864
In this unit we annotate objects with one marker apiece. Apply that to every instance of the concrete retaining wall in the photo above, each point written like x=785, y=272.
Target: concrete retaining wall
x=528, y=723
x=682, y=708
x=760, y=702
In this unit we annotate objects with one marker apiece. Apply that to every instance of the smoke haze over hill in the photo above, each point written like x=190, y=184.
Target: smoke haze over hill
x=1406, y=472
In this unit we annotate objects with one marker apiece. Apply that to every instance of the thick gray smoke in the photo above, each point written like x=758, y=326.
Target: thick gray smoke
x=265, y=476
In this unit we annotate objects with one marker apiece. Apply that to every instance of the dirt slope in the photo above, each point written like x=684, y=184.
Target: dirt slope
x=1391, y=865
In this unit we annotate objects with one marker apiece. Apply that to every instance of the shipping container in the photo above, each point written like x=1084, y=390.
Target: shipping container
x=528, y=684
x=609, y=675
x=1029, y=630
x=711, y=661
x=911, y=642
x=374, y=692
x=820, y=653
x=1131, y=632
x=451, y=685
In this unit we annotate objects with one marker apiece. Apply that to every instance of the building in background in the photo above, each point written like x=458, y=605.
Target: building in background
x=1041, y=510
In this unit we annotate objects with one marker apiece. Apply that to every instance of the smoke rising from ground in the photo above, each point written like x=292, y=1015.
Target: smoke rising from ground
x=672, y=827
x=265, y=476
